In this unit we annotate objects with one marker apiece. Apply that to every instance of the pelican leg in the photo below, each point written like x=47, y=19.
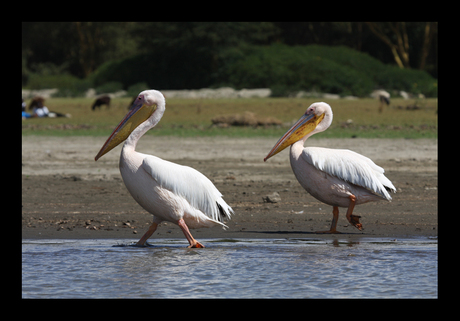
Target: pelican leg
x=188, y=235
x=353, y=219
x=147, y=234
x=335, y=218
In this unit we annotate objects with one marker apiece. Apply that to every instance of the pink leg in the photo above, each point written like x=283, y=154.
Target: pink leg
x=335, y=218
x=190, y=239
x=353, y=219
x=147, y=234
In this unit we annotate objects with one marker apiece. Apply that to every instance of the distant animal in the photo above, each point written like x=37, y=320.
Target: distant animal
x=383, y=96
x=102, y=100
x=36, y=102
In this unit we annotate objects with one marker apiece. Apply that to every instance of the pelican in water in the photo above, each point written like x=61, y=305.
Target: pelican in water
x=337, y=177
x=171, y=192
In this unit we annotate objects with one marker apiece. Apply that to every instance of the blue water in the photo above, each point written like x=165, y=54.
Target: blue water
x=231, y=268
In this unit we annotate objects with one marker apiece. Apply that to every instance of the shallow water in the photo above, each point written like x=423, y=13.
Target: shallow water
x=231, y=268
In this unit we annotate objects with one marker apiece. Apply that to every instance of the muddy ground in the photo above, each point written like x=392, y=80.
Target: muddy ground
x=66, y=194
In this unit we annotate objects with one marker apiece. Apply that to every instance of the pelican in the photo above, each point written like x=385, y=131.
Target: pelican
x=171, y=192
x=337, y=177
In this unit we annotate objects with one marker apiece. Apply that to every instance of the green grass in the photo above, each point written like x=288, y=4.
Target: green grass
x=192, y=118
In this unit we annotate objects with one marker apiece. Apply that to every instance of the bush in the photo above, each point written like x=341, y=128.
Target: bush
x=158, y=70
x=287, y=69
x=109, y=87
x=410, y=80
x=324, y=75
x=345, y=56
x=68, y=85
x=338, y=70
x=135, y=89
x=283, y=69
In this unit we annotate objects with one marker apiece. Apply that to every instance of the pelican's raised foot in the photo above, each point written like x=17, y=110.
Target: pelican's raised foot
x=354, y=220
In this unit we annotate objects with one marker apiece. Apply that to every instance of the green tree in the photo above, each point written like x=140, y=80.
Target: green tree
x=399, y=37
x=77, y=47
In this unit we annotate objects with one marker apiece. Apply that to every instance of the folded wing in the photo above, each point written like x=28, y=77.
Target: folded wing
x=351, y=167
x=190, y=184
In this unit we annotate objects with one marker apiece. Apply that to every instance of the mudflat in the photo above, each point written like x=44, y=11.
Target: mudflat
x=66, y=194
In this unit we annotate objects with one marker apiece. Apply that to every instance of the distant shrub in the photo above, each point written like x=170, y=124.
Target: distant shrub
x=109, y=87
x=135, y=89
x=68, y=85
x=284, y=69
x=345, y=56
x=125, y=71
x=338, y=70
x=410, y=80
x=158, y=70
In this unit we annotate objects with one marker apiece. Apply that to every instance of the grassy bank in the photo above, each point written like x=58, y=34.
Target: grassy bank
x=192, y=118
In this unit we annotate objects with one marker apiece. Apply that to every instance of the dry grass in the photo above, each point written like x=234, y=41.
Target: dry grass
x=246, y=119
x=194, y=117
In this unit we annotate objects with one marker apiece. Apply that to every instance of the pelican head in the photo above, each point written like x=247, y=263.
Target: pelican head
x=317, y=118
x=141, y=110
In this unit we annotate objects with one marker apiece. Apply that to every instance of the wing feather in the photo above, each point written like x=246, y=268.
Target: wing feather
x=190, y=184
x=351, y=167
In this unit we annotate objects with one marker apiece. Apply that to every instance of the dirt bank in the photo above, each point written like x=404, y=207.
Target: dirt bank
x=65, y=194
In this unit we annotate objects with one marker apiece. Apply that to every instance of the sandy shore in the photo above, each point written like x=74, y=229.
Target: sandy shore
x=66, y=194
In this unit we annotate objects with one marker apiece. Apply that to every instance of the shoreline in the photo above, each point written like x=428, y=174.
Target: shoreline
x=66, y=195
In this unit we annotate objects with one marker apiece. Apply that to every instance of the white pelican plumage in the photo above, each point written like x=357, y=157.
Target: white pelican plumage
x=171, y=192
x=337, y=177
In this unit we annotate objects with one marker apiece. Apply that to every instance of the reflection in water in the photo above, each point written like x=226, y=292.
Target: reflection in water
x=348, y=243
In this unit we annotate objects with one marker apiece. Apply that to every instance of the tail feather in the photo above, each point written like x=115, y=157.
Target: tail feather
x=224, y=211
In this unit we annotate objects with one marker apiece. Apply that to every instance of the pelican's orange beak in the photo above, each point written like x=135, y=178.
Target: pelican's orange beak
x=137, y=114
x=305, y=125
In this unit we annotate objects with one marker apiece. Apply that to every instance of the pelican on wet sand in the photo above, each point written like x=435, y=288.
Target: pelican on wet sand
x=170, y=192
x=337, y=177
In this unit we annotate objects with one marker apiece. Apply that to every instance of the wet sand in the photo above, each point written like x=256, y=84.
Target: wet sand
x=66, y=194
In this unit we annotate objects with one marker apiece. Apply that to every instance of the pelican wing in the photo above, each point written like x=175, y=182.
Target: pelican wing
x=190, y=184
x=351, y=167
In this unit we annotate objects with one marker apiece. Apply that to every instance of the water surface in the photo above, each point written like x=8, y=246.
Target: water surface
x=231, y=268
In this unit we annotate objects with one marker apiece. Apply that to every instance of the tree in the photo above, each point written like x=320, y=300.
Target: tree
x=396, y=36
x=187, y=54
x=89, y=36
x=79, y=47
x=195, y=48
x=400, y=45
x=431, y=29
x=97, y=40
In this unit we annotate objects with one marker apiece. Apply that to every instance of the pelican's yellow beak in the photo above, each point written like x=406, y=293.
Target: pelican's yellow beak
x=305, y=125
x=138, y=113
